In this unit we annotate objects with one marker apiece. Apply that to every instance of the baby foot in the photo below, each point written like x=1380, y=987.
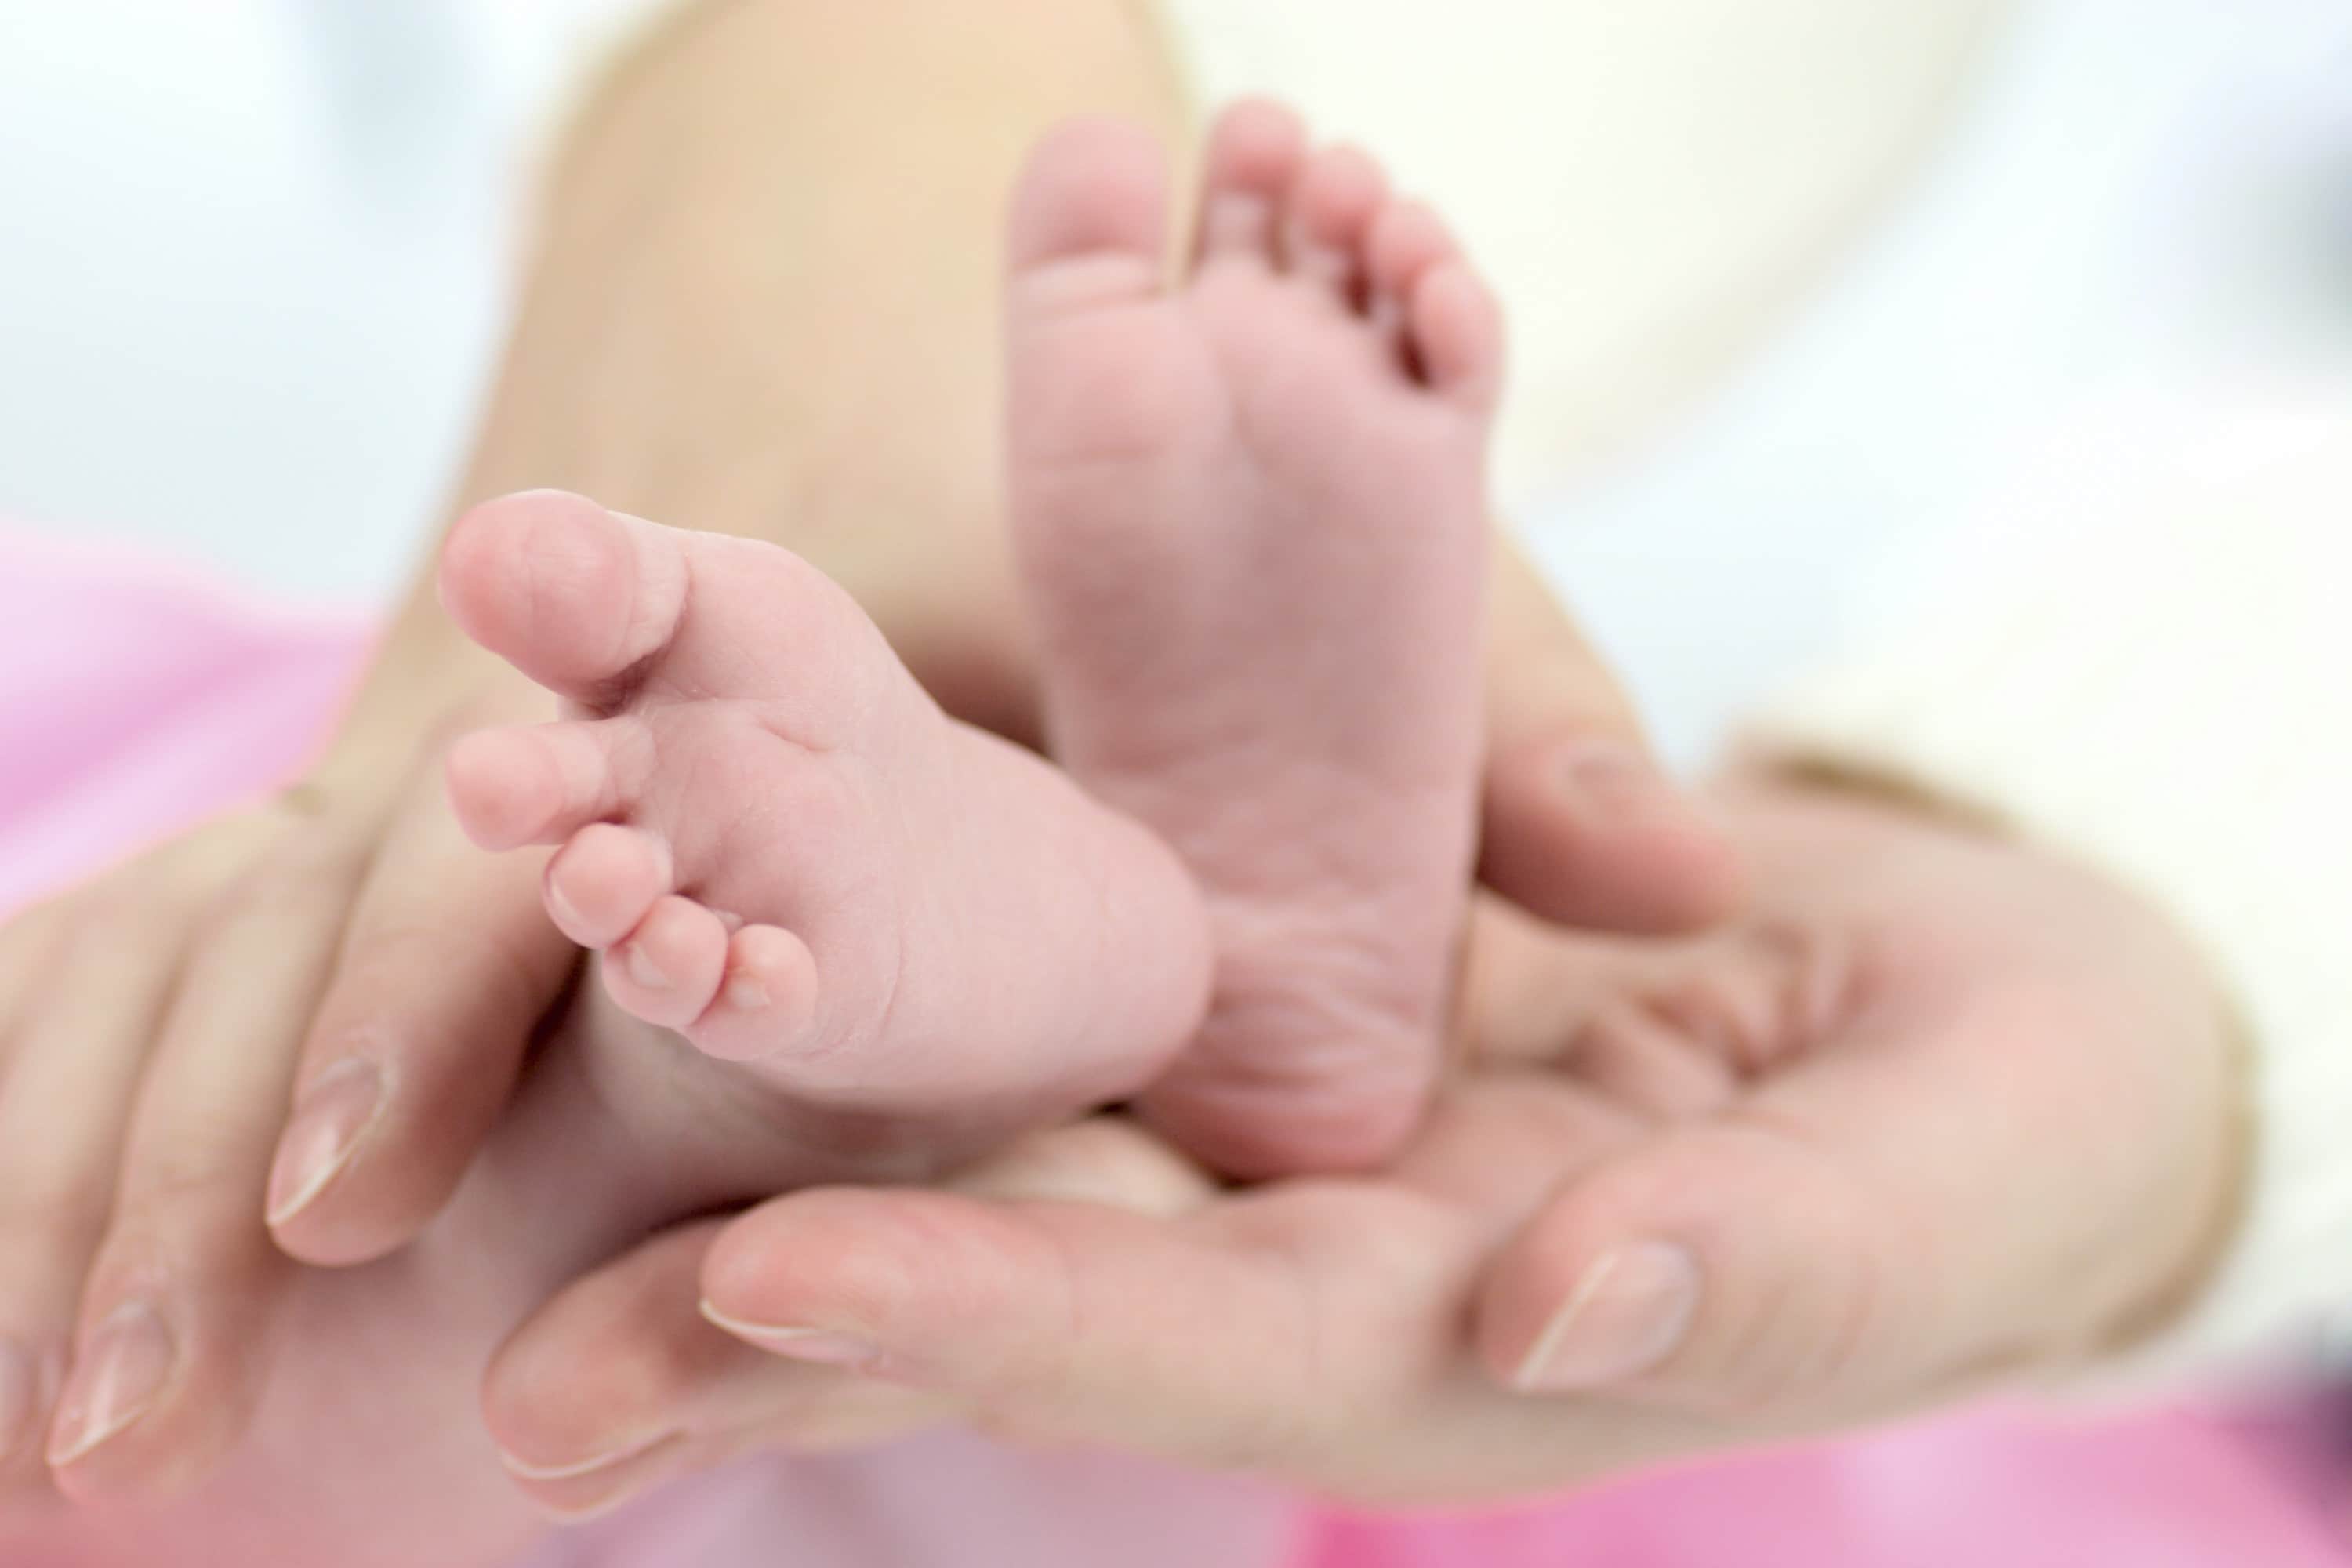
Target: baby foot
x=787, y=855
x=1251, y=520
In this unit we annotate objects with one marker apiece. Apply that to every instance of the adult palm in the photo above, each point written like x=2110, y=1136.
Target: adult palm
x=1940, y=1108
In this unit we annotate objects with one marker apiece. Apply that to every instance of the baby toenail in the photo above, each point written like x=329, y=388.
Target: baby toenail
x=124, y=1371
x=746, y=995
x=645, y=971
x=567, y=914
x=330, y=1118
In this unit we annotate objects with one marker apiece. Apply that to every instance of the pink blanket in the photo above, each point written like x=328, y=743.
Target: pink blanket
x=143, y=699
x=1995, y=1489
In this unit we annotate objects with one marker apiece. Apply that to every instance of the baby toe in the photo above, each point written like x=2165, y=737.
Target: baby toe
x=767, y=1001
x=1455, y=331
x=542, y=784
x=1406, y=239
x=667, y=970
x=1331, y=213
x=1254, y=153
x=600, y=885
x=576, y=596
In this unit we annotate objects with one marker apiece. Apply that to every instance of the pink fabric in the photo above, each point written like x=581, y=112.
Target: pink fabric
x=2012, y=1487
x=140, y=700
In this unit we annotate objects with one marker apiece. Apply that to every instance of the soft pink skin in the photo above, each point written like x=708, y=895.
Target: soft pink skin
x=1250, y=520
x=364, y=1448
x=1941, y=1108
x=788, y=854
x=167, y=1005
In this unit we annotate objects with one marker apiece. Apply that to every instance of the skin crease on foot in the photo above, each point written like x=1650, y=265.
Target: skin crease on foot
x=1250, y=515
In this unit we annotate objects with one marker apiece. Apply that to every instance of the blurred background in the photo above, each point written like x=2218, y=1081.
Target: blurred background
x=254, y=264
x=254, y=258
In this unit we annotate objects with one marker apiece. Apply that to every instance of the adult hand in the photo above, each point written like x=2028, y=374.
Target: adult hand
x=155, y=1021
x=1941, y=1109
x=341, y=948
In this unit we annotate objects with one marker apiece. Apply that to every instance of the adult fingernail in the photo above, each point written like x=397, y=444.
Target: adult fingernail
x=121, y=1374
x=1611, y=779
x=605, y=1460
x=329, y=1121
x=1629, y=1312
x=628, y=1487
x=20, y=1396
x=824, y=1347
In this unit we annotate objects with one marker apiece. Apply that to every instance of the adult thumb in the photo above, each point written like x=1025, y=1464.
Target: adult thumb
x=1727, y=1266
x=1582, y=826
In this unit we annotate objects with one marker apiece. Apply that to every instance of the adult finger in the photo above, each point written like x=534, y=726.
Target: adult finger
x=174, y=1316
x=1582, y=826
x=618, y=1384
x=984, y=1302
x=1932, y=1200
x=445, y=969
x=77, y=1040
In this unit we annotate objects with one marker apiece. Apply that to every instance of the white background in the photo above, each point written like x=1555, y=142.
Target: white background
x=253, y=258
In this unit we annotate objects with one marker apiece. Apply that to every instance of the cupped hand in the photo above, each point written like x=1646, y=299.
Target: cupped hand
x=1940, y=1111
x=339, y=942
x=343, y=948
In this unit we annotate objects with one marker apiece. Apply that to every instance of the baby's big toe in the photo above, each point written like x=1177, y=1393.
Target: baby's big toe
x=574, y=595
